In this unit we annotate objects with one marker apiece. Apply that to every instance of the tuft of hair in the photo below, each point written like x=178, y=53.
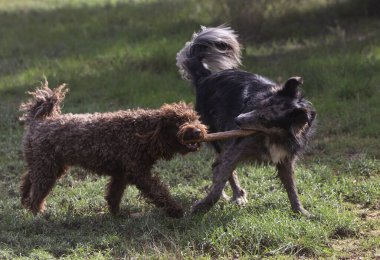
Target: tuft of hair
x=215, y=48
x=45, y=102
x=180, y=110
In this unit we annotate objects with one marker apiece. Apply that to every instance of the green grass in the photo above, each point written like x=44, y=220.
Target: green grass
x=121, y=54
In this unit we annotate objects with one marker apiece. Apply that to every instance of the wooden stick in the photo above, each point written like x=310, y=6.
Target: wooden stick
x=224, y=135
x=228, y=134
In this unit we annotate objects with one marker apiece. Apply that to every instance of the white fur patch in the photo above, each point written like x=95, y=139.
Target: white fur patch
x=277, y=153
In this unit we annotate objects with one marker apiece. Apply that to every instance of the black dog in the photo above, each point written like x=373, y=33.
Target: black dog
x=228, y=98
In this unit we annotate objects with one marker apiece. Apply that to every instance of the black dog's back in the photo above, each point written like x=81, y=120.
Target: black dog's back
x=222, y=96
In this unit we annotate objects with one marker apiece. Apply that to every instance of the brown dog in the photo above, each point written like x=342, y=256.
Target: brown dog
x=123, y=144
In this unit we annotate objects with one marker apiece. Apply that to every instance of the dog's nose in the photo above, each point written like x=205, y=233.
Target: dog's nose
x=197, y=132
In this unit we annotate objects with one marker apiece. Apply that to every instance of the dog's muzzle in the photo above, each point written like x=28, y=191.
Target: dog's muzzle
x=191, y=138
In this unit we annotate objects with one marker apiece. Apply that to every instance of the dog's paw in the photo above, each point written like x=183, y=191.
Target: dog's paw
x=175, y=212
x=200, y=207
x=25, y=202
x=307, y=214
x=240, y=199
x=304, y=213
x=115, y=211
x=37, y=208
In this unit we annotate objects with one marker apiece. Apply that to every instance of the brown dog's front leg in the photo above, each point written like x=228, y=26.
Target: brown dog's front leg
x=152, y=188
x=222, y=172
x=115, y=191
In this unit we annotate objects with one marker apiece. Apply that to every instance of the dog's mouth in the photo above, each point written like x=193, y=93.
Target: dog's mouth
x=192, y=146
x=191, y=138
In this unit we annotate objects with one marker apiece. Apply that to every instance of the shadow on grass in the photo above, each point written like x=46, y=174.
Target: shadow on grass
x=281, y=20
x=62, y=235
x=99, y=46
x=106, y=48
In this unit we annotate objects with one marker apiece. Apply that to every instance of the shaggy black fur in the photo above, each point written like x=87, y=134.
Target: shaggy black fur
x=229, y=99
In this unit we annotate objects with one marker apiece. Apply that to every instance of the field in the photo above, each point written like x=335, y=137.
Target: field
x=121, y=54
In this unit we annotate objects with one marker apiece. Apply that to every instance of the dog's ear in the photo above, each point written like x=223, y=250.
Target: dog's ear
x=291, y=87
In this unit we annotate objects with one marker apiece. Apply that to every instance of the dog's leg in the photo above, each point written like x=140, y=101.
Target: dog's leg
x=42, y=181
x=152, y=188
x=239, y=194
x=25, y=186
x=115, y=191
x=286, y=174
x=222, y=171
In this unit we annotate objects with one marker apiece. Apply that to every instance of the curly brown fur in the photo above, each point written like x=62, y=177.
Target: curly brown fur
x=44, y=102
x=123, y=145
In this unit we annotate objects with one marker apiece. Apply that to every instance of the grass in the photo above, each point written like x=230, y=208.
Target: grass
x=121, y=54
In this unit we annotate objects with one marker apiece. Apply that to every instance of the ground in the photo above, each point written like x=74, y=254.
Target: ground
x=121, y=54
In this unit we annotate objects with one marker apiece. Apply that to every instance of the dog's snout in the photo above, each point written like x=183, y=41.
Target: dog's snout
x=238, y=121
x=197, y=132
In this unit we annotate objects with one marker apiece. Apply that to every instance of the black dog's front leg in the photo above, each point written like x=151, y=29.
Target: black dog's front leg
x=239, y=194
x=222, y=171
x=286, y=173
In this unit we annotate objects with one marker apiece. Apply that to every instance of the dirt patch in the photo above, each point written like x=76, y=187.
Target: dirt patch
x=365, y=245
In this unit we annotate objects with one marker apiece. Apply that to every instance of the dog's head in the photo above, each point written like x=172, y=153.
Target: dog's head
x=182, y=122
x=285, y=110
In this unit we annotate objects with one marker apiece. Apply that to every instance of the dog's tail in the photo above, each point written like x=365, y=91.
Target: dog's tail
x=45, y=102
x=210, y=50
